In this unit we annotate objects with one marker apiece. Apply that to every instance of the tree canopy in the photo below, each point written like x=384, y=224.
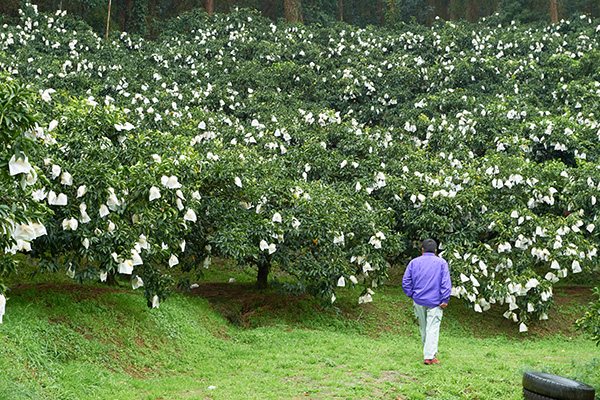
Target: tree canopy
x=327, y=152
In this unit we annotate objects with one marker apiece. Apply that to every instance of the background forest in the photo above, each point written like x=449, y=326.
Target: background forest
x=145, y=16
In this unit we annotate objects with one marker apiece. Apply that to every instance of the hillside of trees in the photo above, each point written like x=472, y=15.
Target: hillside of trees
x=314, y=157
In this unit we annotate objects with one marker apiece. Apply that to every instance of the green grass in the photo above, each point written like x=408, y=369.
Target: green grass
x=65, y=341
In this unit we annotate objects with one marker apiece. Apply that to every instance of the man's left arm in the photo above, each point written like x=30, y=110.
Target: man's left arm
x=445, y=286
x=407, y=284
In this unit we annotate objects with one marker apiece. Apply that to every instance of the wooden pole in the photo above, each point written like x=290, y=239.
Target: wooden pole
x=553, y=11
x=108, y=18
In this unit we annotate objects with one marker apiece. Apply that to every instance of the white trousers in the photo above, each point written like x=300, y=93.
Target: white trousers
x=429, y=325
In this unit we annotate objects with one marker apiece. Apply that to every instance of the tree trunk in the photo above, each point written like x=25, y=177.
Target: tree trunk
x=452, y=10
x=268, y=9
x=553, y=11
x=341, y=10
x=210, y=7
x=292, y=10
x=264, y=267
x=124, y=13
x=381, y=13
x=152, y=16
x=472, y=11
x=111, y=279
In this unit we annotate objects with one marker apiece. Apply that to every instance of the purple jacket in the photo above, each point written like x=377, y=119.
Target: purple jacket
x=427, y=280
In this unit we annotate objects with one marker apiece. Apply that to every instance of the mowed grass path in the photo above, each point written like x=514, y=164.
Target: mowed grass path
x=65, y=341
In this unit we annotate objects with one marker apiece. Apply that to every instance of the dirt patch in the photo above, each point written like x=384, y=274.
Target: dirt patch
x=240, y=303
x=79, y=292
x=569, y=304
x=245, y=306
x=240, y=292
x=572, y=295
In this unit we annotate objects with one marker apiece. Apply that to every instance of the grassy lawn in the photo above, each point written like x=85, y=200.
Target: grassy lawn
x=60, y=340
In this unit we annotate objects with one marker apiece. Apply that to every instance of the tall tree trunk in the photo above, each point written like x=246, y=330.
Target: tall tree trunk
x=124, y=15
x=264, y=267
x=553, y=11
x=472, y=11
x=434, y=12
x=210, y=6
x=341, y=10
x=268, y=9
x=381, y=12
x=390, y=16
x=292, y=10
x=152, y=17
x=452, y=9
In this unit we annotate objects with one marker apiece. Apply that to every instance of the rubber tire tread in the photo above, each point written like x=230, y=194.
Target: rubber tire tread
x=527, y=395
x=557, y=387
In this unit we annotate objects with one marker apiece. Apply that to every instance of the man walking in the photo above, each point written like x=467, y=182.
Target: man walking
x=427, y=281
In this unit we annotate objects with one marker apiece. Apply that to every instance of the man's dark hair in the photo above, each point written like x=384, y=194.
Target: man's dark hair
x=429, y=246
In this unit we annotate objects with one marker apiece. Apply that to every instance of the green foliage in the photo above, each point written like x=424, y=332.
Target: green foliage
x=326, y=152
x=581, y=7
x=415, y=11
x=523, y=11
x=19, y=214
x=590, y=322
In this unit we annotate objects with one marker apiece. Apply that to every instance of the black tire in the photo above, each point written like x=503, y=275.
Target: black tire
x=557, y=387
x=527, y=395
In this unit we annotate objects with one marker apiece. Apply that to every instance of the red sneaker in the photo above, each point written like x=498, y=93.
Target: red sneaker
x=434, y=360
